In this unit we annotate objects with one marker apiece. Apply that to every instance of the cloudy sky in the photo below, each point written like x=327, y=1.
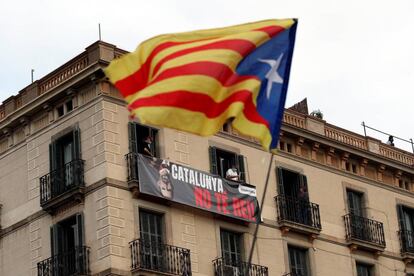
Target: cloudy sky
x=353, y=59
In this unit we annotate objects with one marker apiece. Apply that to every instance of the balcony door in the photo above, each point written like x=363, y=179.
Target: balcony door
x=222, y=160
x=406, y=218
x=152, y=241
x=231, y=248
x=64, y=151
x=292, y=184
x=356, y=210
x=293, y=199
x=67, y=246
x=355, y=203
x=298, y=261
x=142, y=139
x=364, y=269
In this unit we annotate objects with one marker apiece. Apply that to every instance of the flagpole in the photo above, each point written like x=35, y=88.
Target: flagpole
x=260, y=209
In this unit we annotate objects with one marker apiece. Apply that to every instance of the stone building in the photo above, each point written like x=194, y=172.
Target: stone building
x=337, y=203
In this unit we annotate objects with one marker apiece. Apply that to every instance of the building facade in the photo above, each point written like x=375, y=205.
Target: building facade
x=336, y=203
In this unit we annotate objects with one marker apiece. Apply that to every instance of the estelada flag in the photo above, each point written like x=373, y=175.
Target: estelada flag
x=196, y=81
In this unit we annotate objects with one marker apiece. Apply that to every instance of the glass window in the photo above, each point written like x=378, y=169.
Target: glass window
x=142, y=139
x=231, y=247
x=151, y=236
x=355, y=202
x=364, y=269
x=227, y=164
x=298, y=261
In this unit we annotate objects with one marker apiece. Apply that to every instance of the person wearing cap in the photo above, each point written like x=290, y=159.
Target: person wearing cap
x=232, y=174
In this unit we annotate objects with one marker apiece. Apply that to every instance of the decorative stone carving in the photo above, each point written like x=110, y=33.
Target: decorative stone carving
x=299, y=144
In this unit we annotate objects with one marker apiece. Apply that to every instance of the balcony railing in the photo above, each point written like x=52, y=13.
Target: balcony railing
x=407, y=241
x=62, y=180
x=364, y=230
x=161, y=258
x=298, y=211
x=71, y=263
x=224, y=267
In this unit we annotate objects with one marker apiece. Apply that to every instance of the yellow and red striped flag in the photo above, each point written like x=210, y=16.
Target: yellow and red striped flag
x=195, y=81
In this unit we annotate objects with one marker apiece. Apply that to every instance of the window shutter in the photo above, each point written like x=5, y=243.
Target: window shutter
x=213, y=160
x=79, y=230
x=55, y=235
x=76, y=143
x=53, y=158
x=240, y=165
x=153, y=134
x=304, y=183
x=279, y=174
x=132, y=131
x=355, y=203
x=401, y=220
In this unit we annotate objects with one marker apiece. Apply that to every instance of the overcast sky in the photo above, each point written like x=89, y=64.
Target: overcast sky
x=353, y=60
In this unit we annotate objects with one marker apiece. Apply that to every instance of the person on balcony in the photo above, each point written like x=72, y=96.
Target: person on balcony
x=390, y=141
x=145, y=146
x=232, y=174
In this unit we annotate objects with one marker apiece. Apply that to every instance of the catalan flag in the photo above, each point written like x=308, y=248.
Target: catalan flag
x=195, y=81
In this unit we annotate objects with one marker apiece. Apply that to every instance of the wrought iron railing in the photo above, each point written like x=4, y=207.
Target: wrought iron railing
x=132, y=164
x=161, y=258
x=224, y=267
x=298, y=211
x=364, y=229
x=407, y=241
x=71, y=263
x=61, y=180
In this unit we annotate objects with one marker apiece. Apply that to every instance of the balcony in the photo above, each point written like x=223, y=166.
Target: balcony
x=364, y=233
x=62, y=186
x=162, y=259
x=298, y=215
x=223, y=267
x=407, y=245
x=132, y=165
x=72, y=263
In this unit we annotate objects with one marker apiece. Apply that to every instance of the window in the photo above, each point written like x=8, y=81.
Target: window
x=60, y=111
x=64, y=108
x=298, y=261
x=67, y=235
x=69, y=106
x=351, y=167
x=65, y=155
x=406, y=221
x=231, y=247
x=292, y=184
x=222, y=160
x=67, y=241
x=404, y=184
x=364, y=269
x=406, y=216
x=355, y=202
x=142, y=139
x=227, y=127
x=285, y=146
x=152, y=239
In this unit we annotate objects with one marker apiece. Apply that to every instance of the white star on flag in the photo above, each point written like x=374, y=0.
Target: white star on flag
x=272, y=75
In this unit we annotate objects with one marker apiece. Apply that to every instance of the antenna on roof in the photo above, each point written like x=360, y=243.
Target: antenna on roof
x=99, y=26
x=31, y=73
